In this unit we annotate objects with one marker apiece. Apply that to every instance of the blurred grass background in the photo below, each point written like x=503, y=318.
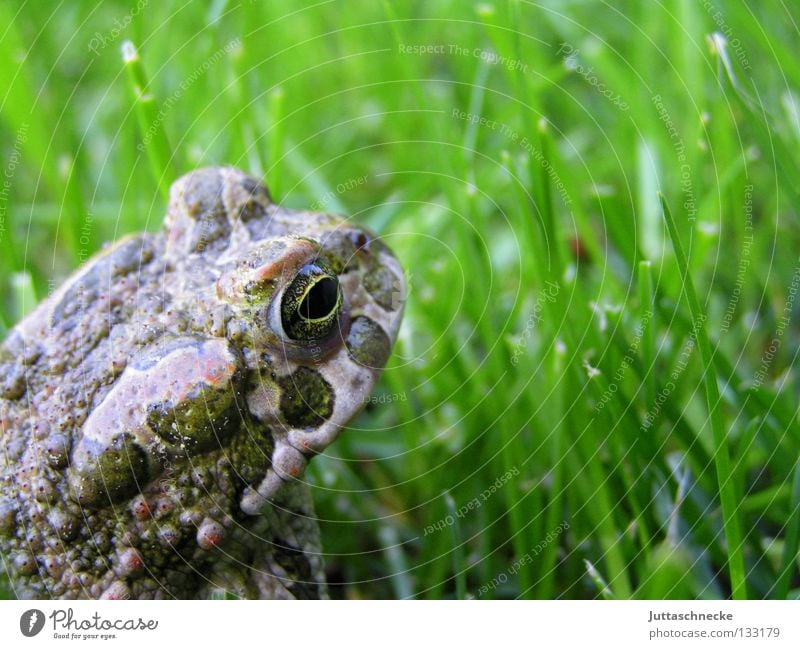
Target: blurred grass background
x=543, y=428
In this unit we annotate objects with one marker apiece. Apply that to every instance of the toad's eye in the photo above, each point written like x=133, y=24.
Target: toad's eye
x=311, y=304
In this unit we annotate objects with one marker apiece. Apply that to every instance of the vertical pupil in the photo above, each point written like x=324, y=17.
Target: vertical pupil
x=320, y=300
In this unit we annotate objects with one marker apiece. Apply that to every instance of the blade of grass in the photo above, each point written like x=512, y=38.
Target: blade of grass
x=767, y=501
x=8, y=251
x=312, y=179
x=276, y=142
x=623, y=440
x=554, y=502
x=742, y=450
x=519, y=503
x=648, y=331
x=757, y=399
x=154, y=137
x=597, y=578
x=459, y=565
x=599, y=505
x=762, y=122
x=541, y=183
x=647, y=345
x=477, y=93
x=25, y=112
x=396, y=558
x=727, y=487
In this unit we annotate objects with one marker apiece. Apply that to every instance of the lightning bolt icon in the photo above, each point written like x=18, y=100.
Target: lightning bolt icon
x=32, y=620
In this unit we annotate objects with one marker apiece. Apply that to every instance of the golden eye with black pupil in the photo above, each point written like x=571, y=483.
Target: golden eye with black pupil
x=311, y=303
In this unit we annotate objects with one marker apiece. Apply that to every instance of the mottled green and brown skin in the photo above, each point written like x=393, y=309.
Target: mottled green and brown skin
x=158, y=410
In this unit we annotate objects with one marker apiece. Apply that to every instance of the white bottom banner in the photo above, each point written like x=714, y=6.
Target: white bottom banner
x=400, y=624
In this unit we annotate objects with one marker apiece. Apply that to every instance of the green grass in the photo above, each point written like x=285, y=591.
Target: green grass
x=722, y=460
x=643, y=403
